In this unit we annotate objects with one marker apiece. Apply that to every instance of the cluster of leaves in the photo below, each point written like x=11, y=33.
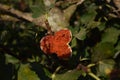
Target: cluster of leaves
x=95, y=43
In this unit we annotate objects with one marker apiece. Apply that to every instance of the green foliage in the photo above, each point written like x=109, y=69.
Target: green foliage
x=89, y=14
x=73, y=42
x=69, y=75
x=25, y=73
x=103, y=51
x=38, y=8
x=95, y=40
x=105, y=67
x=111, y=35
x=81, y=35
x=118, y=46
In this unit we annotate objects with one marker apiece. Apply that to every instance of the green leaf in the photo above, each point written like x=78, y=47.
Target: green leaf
x=69, y=75
x=25, y=73
x=81, y=35
x=105, y=67
x=89, y=16
x=101, y=26
x=11, y=59
x=69, y=11
x=118, y=46
x=102, y=51
x=93, y=24
x=73, y=42
x=74, y=30
x=110, y=35
x=38, y=9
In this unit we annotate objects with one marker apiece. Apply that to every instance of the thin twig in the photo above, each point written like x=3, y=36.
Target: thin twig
x=26, y=16
x=93, y=76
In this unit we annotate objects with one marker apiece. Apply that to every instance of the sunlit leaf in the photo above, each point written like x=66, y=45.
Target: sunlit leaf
x=69, y=11
x=25, y=73
x=81, y=35
x=105, y=67
x=101, y=26
x=73, y=42
x=11, y=59
x=49, y=4
x=57, y=19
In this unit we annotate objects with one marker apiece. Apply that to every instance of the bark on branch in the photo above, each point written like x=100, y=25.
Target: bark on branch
x=40, y=21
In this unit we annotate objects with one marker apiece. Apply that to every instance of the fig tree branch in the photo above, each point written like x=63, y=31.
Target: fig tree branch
x=40, y=21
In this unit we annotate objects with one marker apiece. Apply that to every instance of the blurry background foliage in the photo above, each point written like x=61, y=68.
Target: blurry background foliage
x=95, y=26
